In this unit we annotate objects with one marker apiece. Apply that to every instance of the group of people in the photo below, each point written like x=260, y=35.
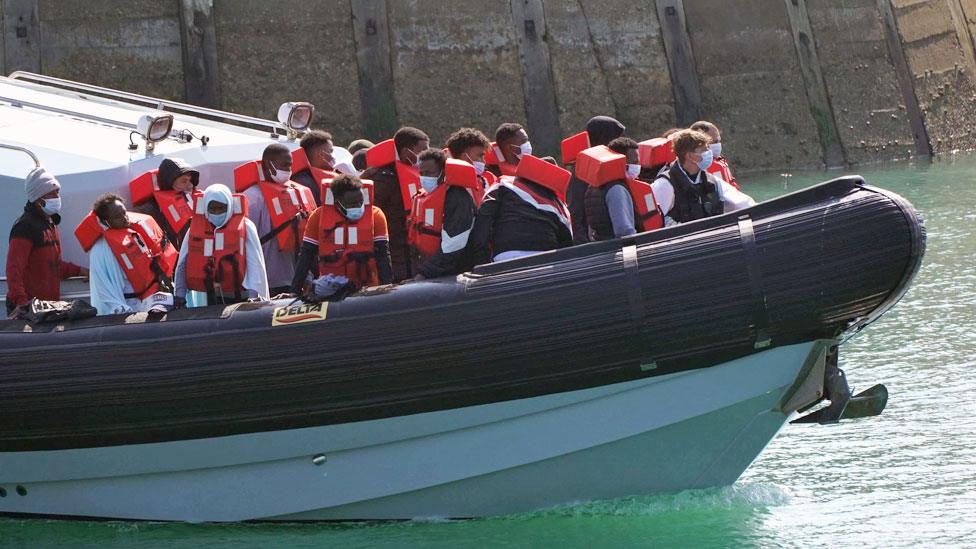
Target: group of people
x=298, y=223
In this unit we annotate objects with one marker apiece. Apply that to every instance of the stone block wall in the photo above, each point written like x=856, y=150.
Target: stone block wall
x=792, y=83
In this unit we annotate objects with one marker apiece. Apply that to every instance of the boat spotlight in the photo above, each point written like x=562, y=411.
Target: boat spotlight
x=154, y=128
x=296, y=116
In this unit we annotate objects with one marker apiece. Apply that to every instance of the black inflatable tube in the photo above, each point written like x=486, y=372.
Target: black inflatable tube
x=824, y=259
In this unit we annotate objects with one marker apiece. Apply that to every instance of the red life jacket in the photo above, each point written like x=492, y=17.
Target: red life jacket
x=573, y=145
x=328, y=199
x=599, y=166
x=299, y=162
x=346, y=247
x=289, y=204
x=176, y=210
x=385, y=153
x=720, y=166
x=426, y=219
x=137, y=249
x=655, y=152
x=215, y=257
x=494, y=157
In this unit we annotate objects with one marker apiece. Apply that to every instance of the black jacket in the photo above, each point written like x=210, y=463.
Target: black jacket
x=505, y=222
x=386, y=188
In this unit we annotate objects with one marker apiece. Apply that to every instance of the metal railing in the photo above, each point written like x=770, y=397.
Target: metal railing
x=28, y=152
x=152, y=102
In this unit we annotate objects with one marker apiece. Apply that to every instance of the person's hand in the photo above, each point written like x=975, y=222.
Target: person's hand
x=14, y=314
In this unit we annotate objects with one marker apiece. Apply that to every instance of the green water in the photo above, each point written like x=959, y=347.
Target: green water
x=907, y=478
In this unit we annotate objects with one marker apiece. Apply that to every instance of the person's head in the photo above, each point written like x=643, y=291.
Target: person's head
x=347, y=190
x=43, y=191
x=714, y=136
x=670, y=131
x=469, y=144
x=627, y=147
x=359, y=159
x=276, y=163
x=691, y=148
x=359, y=145
x=318, y=149
x=603, y=129
x=432, y=168
x=513, y=141
x=217, y=200
x=175, y=174
x=109, y=208
x=409, y=143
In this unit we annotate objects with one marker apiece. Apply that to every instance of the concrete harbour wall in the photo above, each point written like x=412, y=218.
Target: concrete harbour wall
x=792, y=83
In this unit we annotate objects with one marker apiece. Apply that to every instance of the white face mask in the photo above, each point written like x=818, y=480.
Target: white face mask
x=633, y=170
x=429, y=182
x=716, y=149
x=479, y=167
x=280, y=176
x=51, y=206
x=525, y=148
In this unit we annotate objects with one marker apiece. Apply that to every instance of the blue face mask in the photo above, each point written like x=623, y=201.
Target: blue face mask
x=354, y=214
x=429, y=182
x=706, y=160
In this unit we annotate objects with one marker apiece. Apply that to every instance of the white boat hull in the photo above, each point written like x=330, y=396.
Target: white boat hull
x=691, y=429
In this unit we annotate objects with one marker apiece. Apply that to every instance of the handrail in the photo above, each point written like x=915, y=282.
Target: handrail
x=154, y=102
x=37, y=162
x=76, y=114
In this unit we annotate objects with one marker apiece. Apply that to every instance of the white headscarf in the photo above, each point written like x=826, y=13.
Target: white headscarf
x=218, y=193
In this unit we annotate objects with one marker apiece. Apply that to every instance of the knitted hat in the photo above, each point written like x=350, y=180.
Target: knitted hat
x=40, y=182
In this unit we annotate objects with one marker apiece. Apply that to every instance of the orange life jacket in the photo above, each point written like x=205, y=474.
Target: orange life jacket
x=573, y=145
x=599, y=166
x=426, y=218
x=494, y=157
x=385, y=153
x=289, y=204
x=720, y=166
x=176, y=209
x=299, y=163
x=346, y=247
x=216, y=261
x=138, y=249
x=655, y=152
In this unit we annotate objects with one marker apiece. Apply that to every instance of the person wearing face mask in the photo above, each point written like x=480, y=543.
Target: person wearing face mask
x=685, y=191
x=279, y=209
x=313, y=161
x=396, y=179
x=511, y=144
x=34, y=265
x=720, y=166
x=221, y=260
x=523, y=215
x=616, y=203
x=470, y=145
x=129, y=258
x=443, y=214
x=167, y=194
x=600, y=130
x=347, y=238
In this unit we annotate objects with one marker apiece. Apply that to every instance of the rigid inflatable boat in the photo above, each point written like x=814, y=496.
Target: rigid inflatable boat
x=658, y=362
